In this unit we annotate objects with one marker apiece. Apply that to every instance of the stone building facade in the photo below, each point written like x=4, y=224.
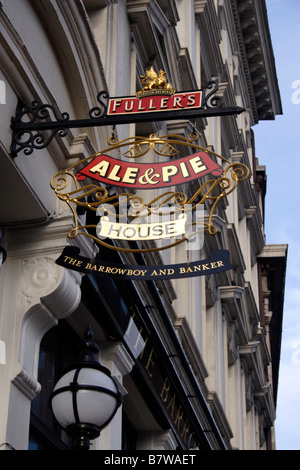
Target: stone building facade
x=197, y=358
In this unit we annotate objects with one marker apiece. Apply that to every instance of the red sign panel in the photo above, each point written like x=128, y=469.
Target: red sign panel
x=154, y=103
x=148, y=176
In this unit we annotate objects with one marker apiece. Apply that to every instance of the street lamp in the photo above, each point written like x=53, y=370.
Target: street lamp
x=86, y=397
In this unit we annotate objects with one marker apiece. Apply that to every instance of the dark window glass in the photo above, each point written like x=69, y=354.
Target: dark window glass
x=129, y=434
x=58, y=349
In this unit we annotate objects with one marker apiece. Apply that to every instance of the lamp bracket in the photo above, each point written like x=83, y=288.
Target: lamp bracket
x=34, y=127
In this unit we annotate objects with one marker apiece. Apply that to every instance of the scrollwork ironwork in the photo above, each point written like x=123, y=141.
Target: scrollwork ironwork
x=210, y=100
x=29, y=140
x=38, y=111
x=35, y=141
x=37, y=118
x=32, y=124
x=99, y=112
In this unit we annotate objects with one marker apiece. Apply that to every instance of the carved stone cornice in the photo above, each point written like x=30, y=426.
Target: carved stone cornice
x=206, y=14
x=252, y=30
x=117, y=354
x=265, y=403
x=220, y=417
x=255, y=225
x=192, y=351
x=237, y=257
x=252, y=309
x=232, y=298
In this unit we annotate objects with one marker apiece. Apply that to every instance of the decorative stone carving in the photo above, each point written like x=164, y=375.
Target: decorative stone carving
x=40, y=276
x=26, y=383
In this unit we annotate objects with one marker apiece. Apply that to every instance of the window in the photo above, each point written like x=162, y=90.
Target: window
x=129, y=434
x=58, y=349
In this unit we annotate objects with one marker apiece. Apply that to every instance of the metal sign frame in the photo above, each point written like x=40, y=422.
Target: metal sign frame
x=33, y=128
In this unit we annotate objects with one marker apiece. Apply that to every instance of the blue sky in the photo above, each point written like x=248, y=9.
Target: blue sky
x=278, y=147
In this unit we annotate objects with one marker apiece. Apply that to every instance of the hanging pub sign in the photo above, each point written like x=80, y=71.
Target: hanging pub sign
x=34, y=127
x=147, y=176
x=154, y=103
x=157, y=95
x=141, y=231
x=219, y=261
x=111, y=184
x=164, y=219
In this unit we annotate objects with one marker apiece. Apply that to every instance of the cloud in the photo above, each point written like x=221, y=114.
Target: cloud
x=288, y=415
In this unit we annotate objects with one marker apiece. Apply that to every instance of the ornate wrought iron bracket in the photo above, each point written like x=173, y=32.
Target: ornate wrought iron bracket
x=33, y=128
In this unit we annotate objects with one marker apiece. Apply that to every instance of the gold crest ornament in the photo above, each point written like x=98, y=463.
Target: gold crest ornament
x=155, y=84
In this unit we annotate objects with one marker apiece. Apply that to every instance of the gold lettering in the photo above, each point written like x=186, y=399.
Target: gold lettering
x=145, y=343
x=179, y=417
x=186, y=429
x=92, y=267
x=150, y=362
x=170, y=399
x=165, y=390
x=72, y=261
x=172, y=405
x=140, y=339
x=122, y=271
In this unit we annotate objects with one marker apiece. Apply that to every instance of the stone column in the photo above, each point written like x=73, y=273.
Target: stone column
x=116, y=358
x=34, y=293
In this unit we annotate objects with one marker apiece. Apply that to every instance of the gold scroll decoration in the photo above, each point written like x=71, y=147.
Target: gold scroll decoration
x=96, y=198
